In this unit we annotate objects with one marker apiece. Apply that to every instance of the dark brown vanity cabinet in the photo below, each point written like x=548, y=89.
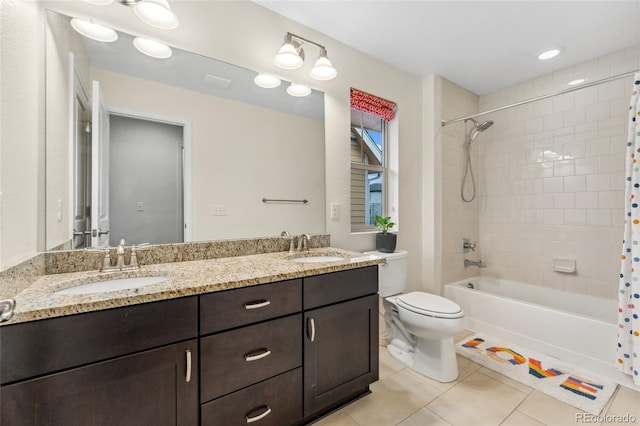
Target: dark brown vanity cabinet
x=148, y=388
x=136, y=365
x=341, y=339
x=274, y=354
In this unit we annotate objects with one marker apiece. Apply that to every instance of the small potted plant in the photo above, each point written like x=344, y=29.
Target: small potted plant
x=385, y=241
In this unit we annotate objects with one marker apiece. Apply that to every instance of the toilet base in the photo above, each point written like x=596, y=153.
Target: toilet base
x=435, y=359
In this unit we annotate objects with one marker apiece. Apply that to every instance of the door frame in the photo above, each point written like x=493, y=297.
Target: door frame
x=187, y=166
x=76, y=85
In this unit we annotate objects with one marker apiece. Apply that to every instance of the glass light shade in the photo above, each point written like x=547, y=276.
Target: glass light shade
x=323, y=70
x=152, y=48
x=267, y=81
x=298, y=90
x=94, y=31
x=288, y=57
x=548, y=54
x=157, y=13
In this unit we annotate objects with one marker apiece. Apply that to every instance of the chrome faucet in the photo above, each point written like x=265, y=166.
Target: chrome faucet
x=120, y=263
x=303, y=242
x=479, y=263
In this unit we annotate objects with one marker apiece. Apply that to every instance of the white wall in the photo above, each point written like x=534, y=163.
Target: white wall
x=21, y=127
x=552, y=178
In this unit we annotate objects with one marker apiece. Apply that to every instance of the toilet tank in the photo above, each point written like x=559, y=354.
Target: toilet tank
x=392, y=276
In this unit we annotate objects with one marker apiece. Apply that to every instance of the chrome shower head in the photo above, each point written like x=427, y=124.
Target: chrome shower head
x=484, y=126
x=477, y=128
x=481, y=127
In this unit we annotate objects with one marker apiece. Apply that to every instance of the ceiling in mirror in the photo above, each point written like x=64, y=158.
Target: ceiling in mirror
x=200, y=74
x=237, y=143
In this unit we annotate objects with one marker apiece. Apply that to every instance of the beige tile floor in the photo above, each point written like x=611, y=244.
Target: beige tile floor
x=478, y=397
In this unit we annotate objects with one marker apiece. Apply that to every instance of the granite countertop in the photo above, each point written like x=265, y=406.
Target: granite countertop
x=39, y=301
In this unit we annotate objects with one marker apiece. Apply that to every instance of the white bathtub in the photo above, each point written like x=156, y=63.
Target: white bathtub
x=575, y=328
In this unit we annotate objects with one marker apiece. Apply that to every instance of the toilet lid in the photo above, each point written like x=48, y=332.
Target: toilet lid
x=430, y=304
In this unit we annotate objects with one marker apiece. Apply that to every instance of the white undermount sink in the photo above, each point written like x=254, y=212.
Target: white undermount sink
x=112, y=285
x=317, y=259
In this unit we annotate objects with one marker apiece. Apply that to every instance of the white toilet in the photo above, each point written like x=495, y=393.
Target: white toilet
x=421, y=325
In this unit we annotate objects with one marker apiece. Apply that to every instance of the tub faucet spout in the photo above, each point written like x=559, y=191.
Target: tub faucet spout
x=479, y=263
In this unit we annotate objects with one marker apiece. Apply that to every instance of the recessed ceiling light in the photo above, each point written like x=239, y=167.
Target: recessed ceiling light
x=94, y=31
x=152, y=48
x=576, y=82
x=298, y=90
x=548, y=54
x=267, y=81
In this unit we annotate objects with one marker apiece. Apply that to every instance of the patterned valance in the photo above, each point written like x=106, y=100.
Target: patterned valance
x=366, y=102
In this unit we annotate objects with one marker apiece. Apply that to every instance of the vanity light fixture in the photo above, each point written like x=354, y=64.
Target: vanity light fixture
x=298, y=90
x=156, y=13
x=323, y=70
x=152, y=48
x=548, y=54
x=291, y=57
x=94, y=31
x=267, y=81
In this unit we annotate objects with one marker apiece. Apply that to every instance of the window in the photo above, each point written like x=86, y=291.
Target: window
x=369, y=153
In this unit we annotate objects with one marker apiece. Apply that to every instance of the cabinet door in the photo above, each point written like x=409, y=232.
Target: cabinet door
x=148, y=388
x=340, y=352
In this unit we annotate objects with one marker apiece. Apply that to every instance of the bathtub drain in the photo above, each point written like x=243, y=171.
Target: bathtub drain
x=470, y=285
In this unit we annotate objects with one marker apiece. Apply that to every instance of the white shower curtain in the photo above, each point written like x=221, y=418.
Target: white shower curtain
x=628, y=351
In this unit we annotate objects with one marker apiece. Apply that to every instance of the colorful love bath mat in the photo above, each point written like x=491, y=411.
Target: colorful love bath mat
x=556, y=378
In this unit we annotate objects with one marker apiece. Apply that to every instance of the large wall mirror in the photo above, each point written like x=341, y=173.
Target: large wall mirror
x=170, y=150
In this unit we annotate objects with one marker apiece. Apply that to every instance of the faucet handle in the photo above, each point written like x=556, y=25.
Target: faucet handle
x=106, y=259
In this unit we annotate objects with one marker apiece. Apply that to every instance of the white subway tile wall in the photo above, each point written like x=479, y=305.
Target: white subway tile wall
x=551, y=178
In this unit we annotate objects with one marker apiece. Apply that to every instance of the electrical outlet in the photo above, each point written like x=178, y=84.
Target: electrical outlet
x=335, y=211
x=140, y=206
x=220, y=211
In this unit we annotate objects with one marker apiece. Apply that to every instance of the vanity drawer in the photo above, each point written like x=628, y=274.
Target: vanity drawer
x=336, y=287
x=279, y=397
x=235, y=359
x=232, y=308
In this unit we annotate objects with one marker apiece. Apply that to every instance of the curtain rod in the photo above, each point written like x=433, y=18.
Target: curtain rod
x=561, y=92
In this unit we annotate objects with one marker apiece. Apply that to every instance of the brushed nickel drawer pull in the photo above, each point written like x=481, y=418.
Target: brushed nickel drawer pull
x=188, y=375
x=257, y=304
x=259, y=416
x=312, y=326
x=254, y=356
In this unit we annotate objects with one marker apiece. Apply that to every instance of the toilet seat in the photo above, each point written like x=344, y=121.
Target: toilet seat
x=430, y=305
